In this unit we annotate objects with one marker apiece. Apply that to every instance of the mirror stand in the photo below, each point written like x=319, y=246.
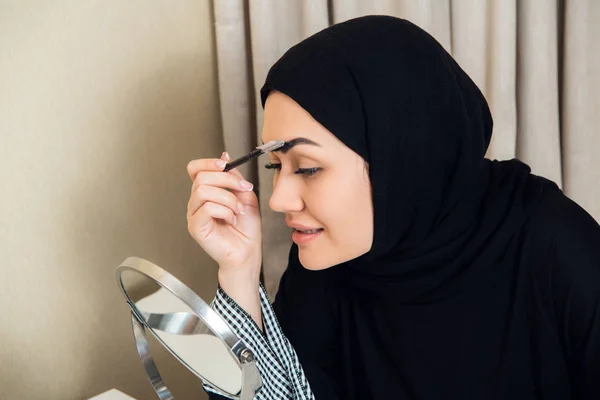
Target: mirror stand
x=196, y=319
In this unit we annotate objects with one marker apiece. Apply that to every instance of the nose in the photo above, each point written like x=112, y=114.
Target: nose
x=286, y=196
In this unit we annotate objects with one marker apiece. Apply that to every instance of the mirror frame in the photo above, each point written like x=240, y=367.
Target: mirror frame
x=242, y=355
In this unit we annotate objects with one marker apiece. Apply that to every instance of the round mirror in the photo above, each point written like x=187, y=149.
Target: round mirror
x=187, y=327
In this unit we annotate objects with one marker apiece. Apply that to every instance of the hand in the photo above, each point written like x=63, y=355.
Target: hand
x=232, y=239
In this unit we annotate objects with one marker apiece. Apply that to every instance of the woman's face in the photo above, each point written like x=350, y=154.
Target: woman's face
x=336, y=198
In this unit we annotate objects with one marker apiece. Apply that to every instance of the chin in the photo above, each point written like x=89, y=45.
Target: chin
x=315, y=260
x=310, y=263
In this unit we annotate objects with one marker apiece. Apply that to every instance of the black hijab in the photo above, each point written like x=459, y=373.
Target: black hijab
x=428, y=312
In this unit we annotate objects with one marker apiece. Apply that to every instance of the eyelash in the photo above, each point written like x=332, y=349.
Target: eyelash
x=305, y=171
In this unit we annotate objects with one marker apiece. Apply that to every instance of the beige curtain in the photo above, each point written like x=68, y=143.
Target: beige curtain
x=536, y=61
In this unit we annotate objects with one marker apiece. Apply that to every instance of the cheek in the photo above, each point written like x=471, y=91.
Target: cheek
x=341, y=204
x=323, y=203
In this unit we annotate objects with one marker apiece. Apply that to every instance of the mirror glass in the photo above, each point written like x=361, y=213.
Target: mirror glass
x=176, y=326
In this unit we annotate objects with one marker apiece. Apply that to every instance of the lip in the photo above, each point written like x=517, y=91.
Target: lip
x=303, y=238
x=300, y=226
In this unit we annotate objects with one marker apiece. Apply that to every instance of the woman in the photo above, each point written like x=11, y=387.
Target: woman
x=435, y=273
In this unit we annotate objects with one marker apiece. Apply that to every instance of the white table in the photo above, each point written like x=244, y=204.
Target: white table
x=112, y=394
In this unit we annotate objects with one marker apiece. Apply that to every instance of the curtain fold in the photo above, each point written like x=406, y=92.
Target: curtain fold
x=538, y=88
x=536, y=61
x=580, y=105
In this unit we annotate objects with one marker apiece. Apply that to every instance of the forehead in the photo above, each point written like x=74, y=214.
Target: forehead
x=284, y=119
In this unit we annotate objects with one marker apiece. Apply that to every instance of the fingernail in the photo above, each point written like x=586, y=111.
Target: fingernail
x=227, y=156
x=241, y=208
x=246, y=185
x=220, y=163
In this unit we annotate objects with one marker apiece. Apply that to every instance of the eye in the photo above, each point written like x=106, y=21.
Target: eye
x=307, y=171
x=273, y=166
x=304, y=171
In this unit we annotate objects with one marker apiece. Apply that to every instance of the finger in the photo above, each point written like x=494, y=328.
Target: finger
x=219, y=179
x=208, y=164
x=209, y=211
x=245, y=197
x=207, y=193
x=202, y=164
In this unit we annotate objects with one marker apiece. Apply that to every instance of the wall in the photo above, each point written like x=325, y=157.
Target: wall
x=102, y=105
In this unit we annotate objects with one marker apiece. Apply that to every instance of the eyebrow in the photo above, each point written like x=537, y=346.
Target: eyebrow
x=291, y=143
